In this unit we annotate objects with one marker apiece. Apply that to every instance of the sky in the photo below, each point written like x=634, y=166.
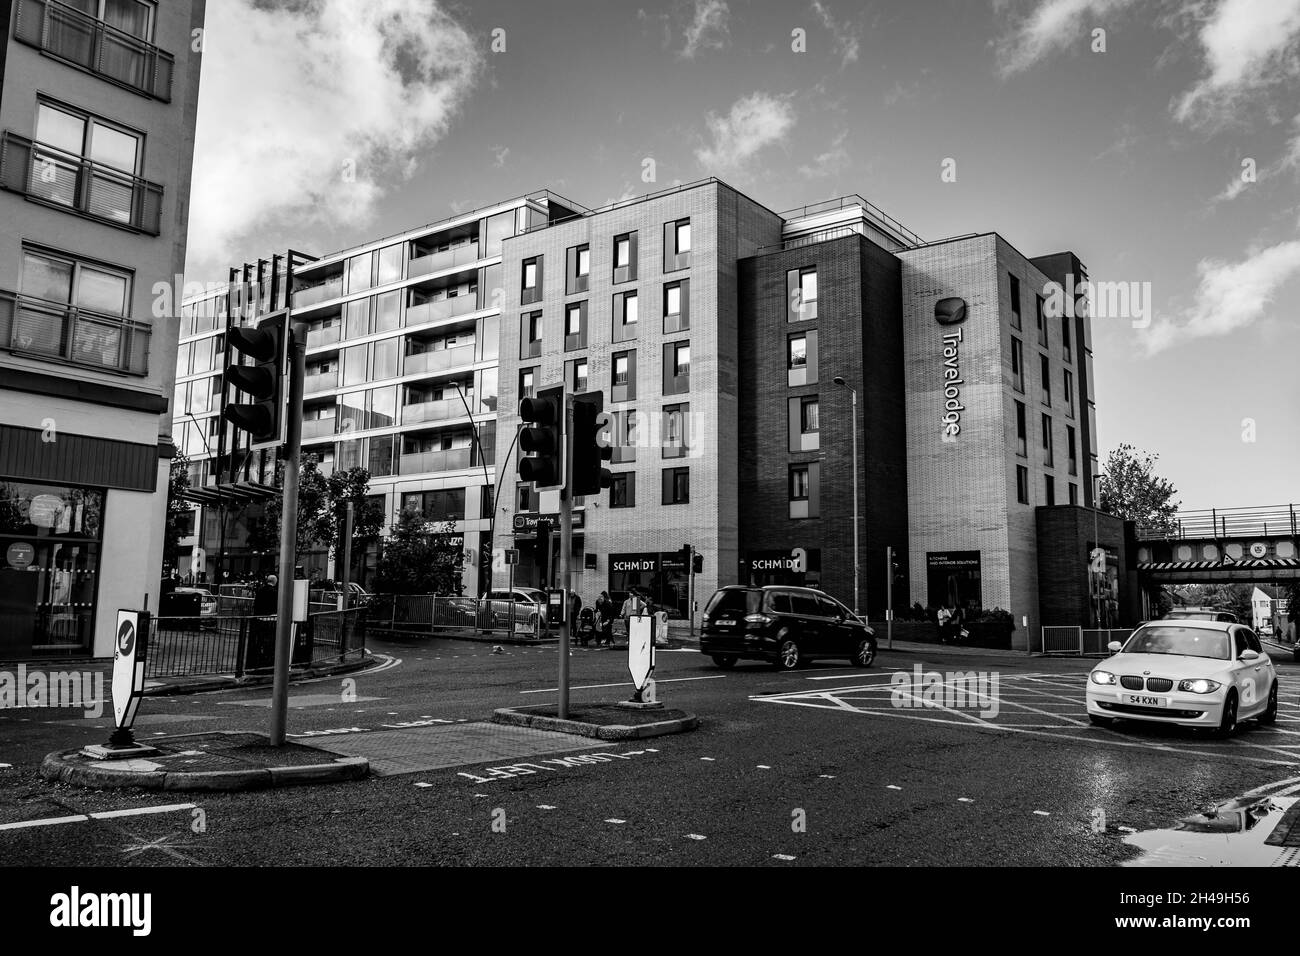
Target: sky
x=1159, y=140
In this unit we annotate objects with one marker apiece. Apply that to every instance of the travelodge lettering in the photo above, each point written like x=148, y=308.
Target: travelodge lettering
x=951, y=312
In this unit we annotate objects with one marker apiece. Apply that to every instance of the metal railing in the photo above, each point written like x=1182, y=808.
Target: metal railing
x=62, y=331
x=847, y=202
x=447, y=259
x=439, y=360
x=316, y=294
x=1269, y=520
x=420, y=463
x=89, y=42
x=322, y=382
x=1096, y=639
x=1080, y=641
x=433, y=614
x=436, y=311
x=326, y=336
x=64, y=179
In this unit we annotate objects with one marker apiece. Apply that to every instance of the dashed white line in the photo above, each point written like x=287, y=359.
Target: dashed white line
x=782, y=856
x=668, y=680
x=424, y=785
x=763, y=766
x=1041, y=813
x=709, y=759
x=892, y=787
x=615, y=820
x=696, y=836
x=103, y=815
x=545, y=806
x=965, y=800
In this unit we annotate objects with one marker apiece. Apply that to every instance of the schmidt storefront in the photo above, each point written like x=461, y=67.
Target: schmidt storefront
x=662, y=575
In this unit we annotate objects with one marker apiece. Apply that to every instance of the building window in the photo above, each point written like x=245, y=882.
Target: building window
x=530, y=344
x=1049, y=452
x=527, y=383
x=622, y=491
x=677, y=306
x=677, y=486
x=578, y=375
x=1071, y=450
x=1022, y=436
x=1015, y=301
x=578, y=272
x=811, y=414
x=625, y=316
x=1068, y=381
x=1042, y=321
x=525, y=501
x=625, y=436
x=805, y=494
x=1067, y=351
x=1074, y=494
x=1017, y=365
x=1050, y=487
x=677, y=245
x=623, y=377
x=805, y=424
x=625, y=258
x=801, y=359
x=676, y=422
x=796, y=354
x=1045, y=376
x=801, y=294
x=677, y=368
x=575, y=326
x=531, y=288
x=1022, y=484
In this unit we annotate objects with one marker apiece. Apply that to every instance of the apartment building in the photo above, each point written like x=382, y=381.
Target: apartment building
x=97, y=109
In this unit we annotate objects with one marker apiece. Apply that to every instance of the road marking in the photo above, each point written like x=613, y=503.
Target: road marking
x=696, y=836
x=763, y=766
x=709, y=759
x=1126, y=830
x=892, y=787
x=827, y=776
x=615, y=820
x=669, y=680
x=424, y=785
x=782, y=856
x=965, y=800
x=545, y=806
x=1041, y=813
x=104, y=815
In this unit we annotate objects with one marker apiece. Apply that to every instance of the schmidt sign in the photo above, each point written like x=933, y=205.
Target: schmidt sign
x=950, y=314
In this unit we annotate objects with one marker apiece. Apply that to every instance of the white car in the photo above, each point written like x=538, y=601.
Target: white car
x=1208, y=674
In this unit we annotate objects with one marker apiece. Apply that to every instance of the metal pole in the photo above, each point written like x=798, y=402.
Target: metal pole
x=347, y=553
x=566, y=544
x=690, y=593
x=288, y=533
x=856, y=605
x=889, y=594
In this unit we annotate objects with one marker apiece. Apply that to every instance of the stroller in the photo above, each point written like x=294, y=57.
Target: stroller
x=586, y=628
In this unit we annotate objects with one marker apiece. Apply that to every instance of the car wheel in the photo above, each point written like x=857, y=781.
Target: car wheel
x=1101, y=721
x=1228, y=723
x=865, y=654
x=787, y=654
x=1269, y=715
x=725, y=661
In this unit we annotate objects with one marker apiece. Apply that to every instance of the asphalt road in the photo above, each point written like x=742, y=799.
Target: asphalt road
x=812, y=767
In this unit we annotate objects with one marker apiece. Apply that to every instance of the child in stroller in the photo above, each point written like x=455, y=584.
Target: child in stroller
x=586, y=629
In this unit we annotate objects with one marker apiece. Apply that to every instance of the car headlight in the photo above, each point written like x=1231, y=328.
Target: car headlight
x=1199, y=686
x=1102, y=677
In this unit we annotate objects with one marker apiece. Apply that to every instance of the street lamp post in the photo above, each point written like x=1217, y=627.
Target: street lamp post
x=839, y=380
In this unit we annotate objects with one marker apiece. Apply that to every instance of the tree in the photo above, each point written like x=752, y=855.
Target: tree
x=420, y=558
x=179, y=510
x=1130, y=489
x=1230, y=597
x=322, y=510
x=368, y=516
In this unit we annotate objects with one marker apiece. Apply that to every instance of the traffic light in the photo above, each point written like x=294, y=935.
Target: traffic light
x=697, y=564
x=544, y=440
x=264, y=381
x=590, y=449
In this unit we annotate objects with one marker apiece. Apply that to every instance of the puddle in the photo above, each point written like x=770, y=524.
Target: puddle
x=1246, y=831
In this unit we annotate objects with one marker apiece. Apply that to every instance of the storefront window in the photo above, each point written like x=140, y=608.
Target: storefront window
x=49, y=561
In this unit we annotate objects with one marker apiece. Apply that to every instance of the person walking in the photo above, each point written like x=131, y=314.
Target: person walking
x=634, y=606
x=944, y=618
x=605, y=619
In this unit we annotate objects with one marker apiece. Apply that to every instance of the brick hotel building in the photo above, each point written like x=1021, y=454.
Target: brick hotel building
x=97, y=111
x=716, y=329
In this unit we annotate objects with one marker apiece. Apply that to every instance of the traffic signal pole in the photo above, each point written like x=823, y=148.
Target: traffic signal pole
x=566, y=546
x=288, y=531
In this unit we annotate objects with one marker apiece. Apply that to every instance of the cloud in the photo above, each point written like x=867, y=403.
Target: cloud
x=708, y=30
x=1053, y=26
x=1290, y=160
x=755, y=121
x=1230, y=296
x=830, y=163
x=499, y=156
x=846, y=40
x=306, y=112
x=1247, y=45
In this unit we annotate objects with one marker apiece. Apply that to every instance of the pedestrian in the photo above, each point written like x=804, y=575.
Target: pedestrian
x=605, y=619
x=955, y=623
x=944, y=618
x=634, y=606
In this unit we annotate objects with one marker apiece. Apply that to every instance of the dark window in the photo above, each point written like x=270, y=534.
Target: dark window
x=677, y=306
x=1068, y=382
x=1045, y=374
x=1017, y=365
x=577, y=272
x=625, y=256
x=530, y=327
x=804, y=605
x=1022, y=484
x=677, y=486
x=1015, y=301
x=677, y=368
x=799, y=483
x=625, y=316
x=677, y=245
x=623, y=376
x=1022, y=431
x=622, y=492
x=531, y=286
x=1051, y=489
x=810, y=415
x=1048, y=450
x=527, y=383
x=1066, y=350
x=1074, y=494
x=575, y=326
x=1074, y=455
x=1042, y=321
x=675, y=431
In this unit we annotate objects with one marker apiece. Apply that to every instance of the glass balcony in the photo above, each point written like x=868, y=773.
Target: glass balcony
x=439, y=360
x=312, y=295
x=438, y=261
x=442, y=309
x=317, y=428
x=110, y=53
x=320, y=383
x=318, y=337
x=57, y=330
x=440, y=411
x=423, y=463
x=63, y=179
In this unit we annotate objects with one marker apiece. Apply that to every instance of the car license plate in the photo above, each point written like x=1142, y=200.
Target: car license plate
x=1142, y=700
x=724, y=622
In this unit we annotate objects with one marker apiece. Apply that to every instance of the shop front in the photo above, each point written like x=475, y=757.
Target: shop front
x=953, y=579
x=796, y=567
x=662, y=575
x=50, y=544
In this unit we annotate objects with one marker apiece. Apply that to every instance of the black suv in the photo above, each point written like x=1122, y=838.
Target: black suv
x=785, y=626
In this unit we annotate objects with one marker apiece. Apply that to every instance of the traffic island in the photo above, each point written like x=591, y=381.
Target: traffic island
x=211, y=761
x=602, y=721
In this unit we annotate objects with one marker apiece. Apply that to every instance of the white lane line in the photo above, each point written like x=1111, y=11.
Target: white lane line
x=763, y=766
x=709, y=759
x=1041, y=813
x=424, y=785
x=545, y=806
x=827, y=776
x=965, y=800
x=696, y=836
x=104, y=815
x=782, y=856
x=892, y=787
x=669, y=680
x=615, y=820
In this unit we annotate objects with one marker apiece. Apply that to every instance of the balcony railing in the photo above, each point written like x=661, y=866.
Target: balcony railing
x=439, y=411
x=421, y=463
x=64, y=179
x=312, y=295
x=320, y=383
x=317, y=427
x=318, y=337
x=61, y=331
x=442, y=309
x=447, y=259
x=106, y=51
x=439, y=360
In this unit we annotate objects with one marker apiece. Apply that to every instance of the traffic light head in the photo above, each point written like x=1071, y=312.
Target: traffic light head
x=591, y=446
x=263, y=382
x=542, y=438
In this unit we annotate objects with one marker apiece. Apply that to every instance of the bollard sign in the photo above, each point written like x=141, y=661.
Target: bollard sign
x=640, y=650
x=128, y=665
